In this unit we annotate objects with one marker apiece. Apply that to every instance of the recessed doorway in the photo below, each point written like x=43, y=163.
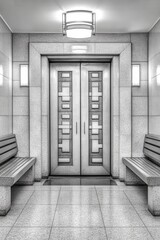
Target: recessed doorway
x=80, y=118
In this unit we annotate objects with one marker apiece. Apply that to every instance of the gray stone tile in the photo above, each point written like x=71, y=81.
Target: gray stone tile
x=78, y=234
x=137, y=197
x=139, y=106
x=155, y=232
x=21, y=129
x=20, y=106
x=139, y=46
x=112, y=197
x=125, y=110
x=99, y=37
x=29, y=234
x=36, y=216
x=18, y=90
x=128, y=234
x=3, y=232
x=11, y=216
x=139, y=129
x=5, y=123
x=78, y=216
x=20, y=46
x=120, y=216
x=46, y=188
x=142, y=90
x=78, y=197
x=16, y=70
x=20, y=197
x=77, y=188
x=44, y=197
x=148, y=219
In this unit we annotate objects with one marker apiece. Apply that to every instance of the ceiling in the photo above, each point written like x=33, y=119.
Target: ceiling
x=113, y=16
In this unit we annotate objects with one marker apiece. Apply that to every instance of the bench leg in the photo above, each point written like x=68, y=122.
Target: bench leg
x=132, y=179
x=27, y=178
x=5, y=200
x=154, y=200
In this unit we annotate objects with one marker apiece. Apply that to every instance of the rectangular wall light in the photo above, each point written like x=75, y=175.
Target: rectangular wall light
x=23, y=75
x=136, y=75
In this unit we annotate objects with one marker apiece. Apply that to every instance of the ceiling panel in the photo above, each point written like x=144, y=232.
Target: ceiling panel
x=113, y=16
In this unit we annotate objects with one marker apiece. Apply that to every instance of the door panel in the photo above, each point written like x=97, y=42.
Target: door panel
x=65, y=119
x=95, y=119
x=80, y=118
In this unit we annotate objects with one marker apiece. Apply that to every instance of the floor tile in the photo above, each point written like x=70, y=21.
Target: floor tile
x=11, y=216
x=128, y=234
x=20, y=197
x=120, y=216
x=77, y=188
x=29, y=234
x=36, y=216
x=146, y=216
x=155, y=232
x=78, y=197
x=78, y=215
x=44, y=197
x=23, y=187
x=3, y=232
x=78, y=234
x=137, y=197
x=46, y=188
x=112, y=197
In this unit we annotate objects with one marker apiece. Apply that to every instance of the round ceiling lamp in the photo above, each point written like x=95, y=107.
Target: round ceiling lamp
x=78, y=24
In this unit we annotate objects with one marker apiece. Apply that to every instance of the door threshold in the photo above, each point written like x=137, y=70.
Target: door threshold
x=80, y=180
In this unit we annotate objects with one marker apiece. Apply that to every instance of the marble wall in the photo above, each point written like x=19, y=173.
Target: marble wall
x=154, y=80
x=139, y=95
x=5, y=79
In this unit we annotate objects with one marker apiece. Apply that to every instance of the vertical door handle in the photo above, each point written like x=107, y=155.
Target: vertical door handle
x=84, y=128
x=76, y=128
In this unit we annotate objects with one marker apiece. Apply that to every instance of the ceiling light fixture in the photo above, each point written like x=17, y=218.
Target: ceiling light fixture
x=78, y=24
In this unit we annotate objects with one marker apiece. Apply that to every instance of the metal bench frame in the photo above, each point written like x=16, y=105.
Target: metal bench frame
x=141, y=170
x=12, y=170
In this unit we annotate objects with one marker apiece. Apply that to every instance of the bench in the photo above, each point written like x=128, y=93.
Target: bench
x=140, y=170
x=12, y=170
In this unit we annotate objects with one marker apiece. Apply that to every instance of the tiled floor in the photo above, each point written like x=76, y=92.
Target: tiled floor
x=72, y=212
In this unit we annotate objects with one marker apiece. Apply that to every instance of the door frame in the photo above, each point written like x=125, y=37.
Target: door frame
x=80, y=61
x=40, y=53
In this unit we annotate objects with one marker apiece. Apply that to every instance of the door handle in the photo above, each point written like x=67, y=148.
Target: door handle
x=84, y=128
x=76, y=128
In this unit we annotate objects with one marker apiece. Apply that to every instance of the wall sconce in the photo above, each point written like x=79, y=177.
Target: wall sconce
x=1, y=75
x=78, y=24
x=136, y=75
x=23, y=75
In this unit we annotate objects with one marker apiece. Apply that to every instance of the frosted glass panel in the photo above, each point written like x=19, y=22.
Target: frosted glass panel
x=24, y=75
x=135, y=75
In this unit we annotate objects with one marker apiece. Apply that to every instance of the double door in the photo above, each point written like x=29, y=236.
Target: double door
x=80, y=118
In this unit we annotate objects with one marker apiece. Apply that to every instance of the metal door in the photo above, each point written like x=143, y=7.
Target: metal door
x=80, y=118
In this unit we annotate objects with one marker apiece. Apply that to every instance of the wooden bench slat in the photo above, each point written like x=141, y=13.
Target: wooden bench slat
x=152, y=141
x=7, y=142
x=152, y=148
x=10, y=166
x=153, y=136
x=18, y=165
x=4, y=168
x=9, y=136
x=7, y=155
x=8, y=148
x=147, y=166
x=11, y=177
x=148, y=171
x=153, y=156
x=150, y=179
